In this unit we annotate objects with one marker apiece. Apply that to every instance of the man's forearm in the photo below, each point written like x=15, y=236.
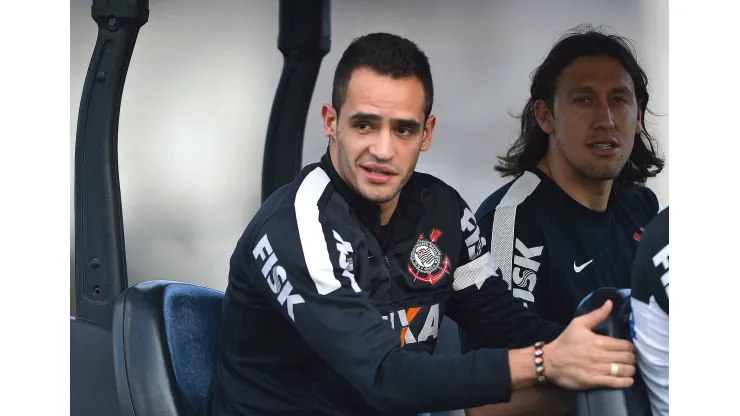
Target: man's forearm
x=522, y=368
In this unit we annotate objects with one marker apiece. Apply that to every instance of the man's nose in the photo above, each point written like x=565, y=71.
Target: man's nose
x=383, y=146
x=603, y=115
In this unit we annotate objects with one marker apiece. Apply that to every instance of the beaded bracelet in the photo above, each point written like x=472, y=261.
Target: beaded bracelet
x=539, y=362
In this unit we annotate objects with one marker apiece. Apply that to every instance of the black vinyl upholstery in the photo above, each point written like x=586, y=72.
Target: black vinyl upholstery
x=165, y=342
x=632, y=401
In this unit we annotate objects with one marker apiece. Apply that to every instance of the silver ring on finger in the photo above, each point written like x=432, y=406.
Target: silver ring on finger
x=614, y=369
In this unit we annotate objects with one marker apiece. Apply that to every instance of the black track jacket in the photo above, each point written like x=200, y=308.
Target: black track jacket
x=328, y=313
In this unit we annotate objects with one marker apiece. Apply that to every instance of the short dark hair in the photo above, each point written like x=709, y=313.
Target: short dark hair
x=532, y=144
x=385, y=54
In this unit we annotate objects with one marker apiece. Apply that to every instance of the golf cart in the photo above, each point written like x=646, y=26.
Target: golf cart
x=150, y=349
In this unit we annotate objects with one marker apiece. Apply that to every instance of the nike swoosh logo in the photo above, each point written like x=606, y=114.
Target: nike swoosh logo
x=581, y=267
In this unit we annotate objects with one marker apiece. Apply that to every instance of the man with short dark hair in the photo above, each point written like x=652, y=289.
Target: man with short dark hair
x=339, y=283
x=570, y=220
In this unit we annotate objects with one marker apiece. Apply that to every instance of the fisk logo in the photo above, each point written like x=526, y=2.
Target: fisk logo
x=405, y=317
x=275, y=276
x=661, y=259
x=345, y=260
x=474, y=242
x=524, y=273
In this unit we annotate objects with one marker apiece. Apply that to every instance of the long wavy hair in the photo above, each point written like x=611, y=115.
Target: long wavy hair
x=532, y=144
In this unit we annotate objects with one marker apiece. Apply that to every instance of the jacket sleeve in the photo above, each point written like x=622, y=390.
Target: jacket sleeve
x=310, y=266
x=488, y=314
x=520, y=253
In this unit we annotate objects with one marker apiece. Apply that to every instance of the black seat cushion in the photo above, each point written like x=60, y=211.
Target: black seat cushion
x=165, y=341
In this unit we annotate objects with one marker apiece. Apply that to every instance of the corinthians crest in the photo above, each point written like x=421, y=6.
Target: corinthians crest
x=426, y=262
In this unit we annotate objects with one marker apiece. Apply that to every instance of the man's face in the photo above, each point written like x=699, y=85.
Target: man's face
x=376, y=142
x=595, y=118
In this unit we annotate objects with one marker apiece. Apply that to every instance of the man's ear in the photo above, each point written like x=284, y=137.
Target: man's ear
x=329, y=115
x=544, y=117
x=638, y=126
x=426, y=140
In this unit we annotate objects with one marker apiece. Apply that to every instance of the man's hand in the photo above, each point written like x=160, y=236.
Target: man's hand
x=579, y=359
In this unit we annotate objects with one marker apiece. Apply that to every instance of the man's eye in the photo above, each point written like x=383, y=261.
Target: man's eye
x=621, y=100
x=362, y=126
x=404, y=131
x=582, y=100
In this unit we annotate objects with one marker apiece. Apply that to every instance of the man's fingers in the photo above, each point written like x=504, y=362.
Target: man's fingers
x=618, y=357
x=615, y=344
x=623, y=370
x=613, y=382
x=591, y=319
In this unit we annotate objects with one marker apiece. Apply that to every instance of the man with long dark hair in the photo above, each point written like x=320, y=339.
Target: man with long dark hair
x=571, y=218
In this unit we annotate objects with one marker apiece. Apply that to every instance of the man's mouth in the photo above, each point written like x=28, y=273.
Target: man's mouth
x=378, y=174
x=379, y=170
x=603, y=145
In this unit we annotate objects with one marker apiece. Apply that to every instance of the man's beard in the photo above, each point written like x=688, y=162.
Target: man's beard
x=593, y=172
